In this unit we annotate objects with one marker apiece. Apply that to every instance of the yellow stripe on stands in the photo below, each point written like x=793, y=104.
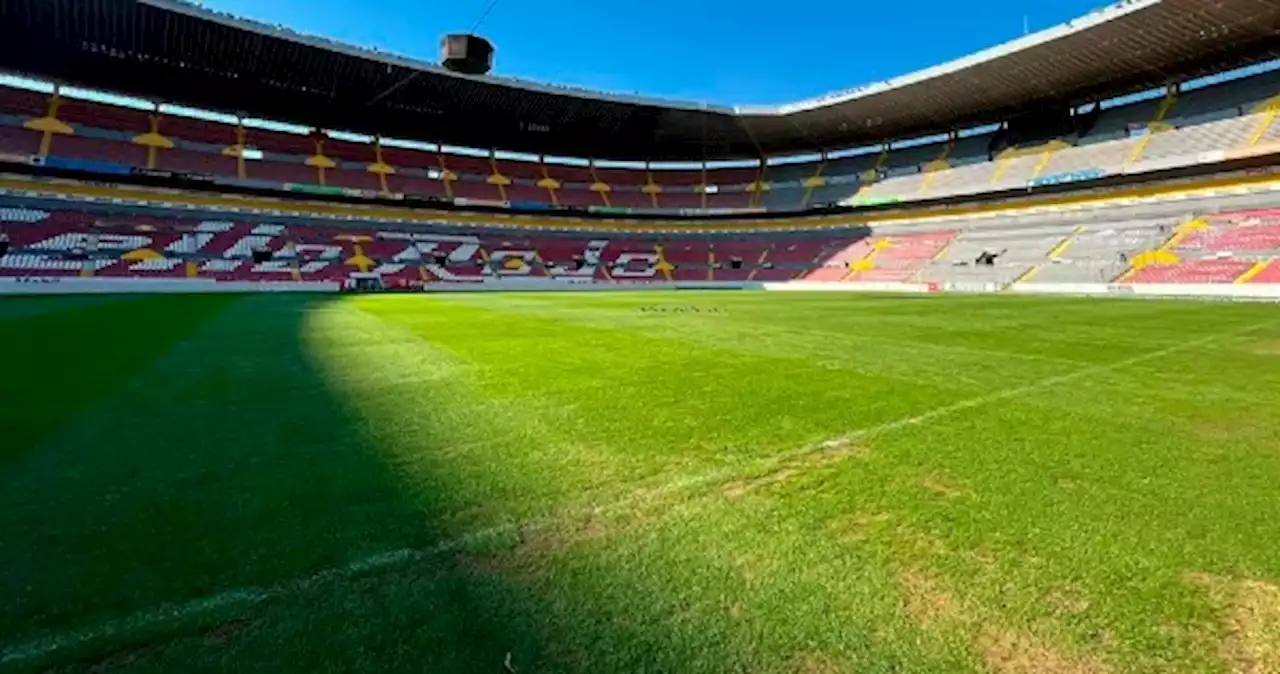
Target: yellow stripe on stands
x=1027, y=275
x=942, y=251
x=1253, y=271
x=1183, y=231
x=810, y=185
x=663, y=266
x=1139, y=148
x=446, y=176
x=1156, y=125
x=759, y=263
x=933, y=168
x=1268, y=118
x=1049, y=149
x=867, y=261
x=1065, y=244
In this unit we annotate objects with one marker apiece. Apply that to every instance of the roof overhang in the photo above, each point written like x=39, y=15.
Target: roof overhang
x=175, y=52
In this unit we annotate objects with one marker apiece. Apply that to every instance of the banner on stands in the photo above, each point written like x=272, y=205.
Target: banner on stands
x=493, y=203
x=531, y=205
x=87, y=165
x=305, y=188
x=1064, y=178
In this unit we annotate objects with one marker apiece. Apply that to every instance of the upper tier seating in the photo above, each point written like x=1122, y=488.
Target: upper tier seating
x=1147, y=135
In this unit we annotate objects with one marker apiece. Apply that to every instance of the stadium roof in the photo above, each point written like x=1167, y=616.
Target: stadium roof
x=180, y=53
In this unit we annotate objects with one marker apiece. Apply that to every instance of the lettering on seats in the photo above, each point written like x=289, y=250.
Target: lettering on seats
x=635, y=265
x=315, y=251
x=511, y=263
x=91, y=242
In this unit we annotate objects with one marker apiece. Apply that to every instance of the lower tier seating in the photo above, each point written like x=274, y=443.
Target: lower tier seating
x=121, y=242
x=138, y=244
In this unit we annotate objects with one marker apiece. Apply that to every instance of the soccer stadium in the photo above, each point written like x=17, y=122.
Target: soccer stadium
x=324, y=358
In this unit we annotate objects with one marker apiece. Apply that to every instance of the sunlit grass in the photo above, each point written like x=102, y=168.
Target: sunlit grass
x=641, y=482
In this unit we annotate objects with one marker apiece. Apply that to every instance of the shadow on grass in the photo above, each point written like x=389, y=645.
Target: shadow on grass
x=63, y=353
x=232, y=462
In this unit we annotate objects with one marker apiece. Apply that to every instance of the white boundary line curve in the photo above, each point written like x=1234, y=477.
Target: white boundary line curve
x=248, y=596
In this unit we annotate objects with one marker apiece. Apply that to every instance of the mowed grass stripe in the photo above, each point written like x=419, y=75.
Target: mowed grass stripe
x=644, y=396
x=1075, y=330
x=65, y=353
x=22, y=306
x=724, y=549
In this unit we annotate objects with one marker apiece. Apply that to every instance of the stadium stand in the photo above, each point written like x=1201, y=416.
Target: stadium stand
x=1226, y=248
x=137, y=244
x=1197, y=126
x=1219, y=248
x=997, y=258
x=898, y=259
x=1099, y=253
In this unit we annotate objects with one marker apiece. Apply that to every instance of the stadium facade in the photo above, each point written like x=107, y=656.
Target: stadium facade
x=1134, y=104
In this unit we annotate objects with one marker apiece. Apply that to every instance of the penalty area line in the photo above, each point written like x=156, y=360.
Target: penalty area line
x=245, y=597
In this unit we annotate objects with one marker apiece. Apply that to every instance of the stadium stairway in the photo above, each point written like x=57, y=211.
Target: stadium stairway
x=1266, y=272
x=897, y=259
x=1017, y=253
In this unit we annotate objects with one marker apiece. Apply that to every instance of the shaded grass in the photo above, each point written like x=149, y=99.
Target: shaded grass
x=624, y=462
x=66, y=352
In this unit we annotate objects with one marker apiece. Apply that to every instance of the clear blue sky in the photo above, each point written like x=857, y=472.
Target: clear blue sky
x=717, y=51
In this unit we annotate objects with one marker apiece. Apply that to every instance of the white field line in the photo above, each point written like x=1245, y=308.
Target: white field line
x=248, y=596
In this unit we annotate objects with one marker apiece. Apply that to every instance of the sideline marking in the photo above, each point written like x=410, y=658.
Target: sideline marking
x=249, y=596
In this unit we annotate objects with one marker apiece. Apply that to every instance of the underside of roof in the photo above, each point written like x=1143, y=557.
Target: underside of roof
x=192, y=58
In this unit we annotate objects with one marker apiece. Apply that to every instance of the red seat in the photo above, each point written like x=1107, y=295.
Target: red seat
x=468, y=189
x=1269, y=274
x=901, y=257
x=22, y=103
x=19, y=141
x=283, y=172
x=729, y=200
x=353, y=179
x=1194, y=271
x=188, y=161
x=578, y=197
x=119, y=152
x=528, y=193
x=415, y=185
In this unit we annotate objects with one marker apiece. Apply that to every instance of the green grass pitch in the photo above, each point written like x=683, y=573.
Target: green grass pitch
x=638, y=482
